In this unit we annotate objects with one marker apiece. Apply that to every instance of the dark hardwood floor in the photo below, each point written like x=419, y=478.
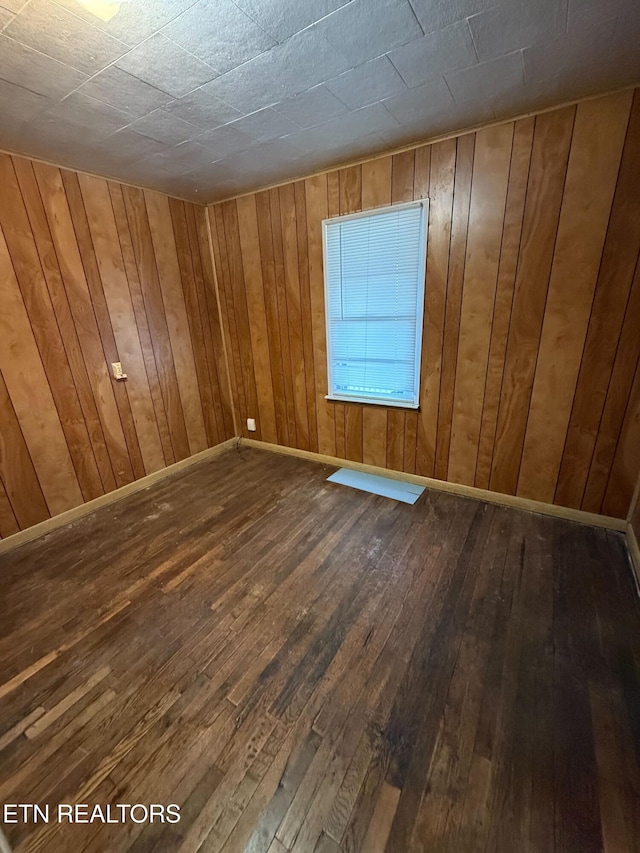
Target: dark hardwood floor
x=304, y=667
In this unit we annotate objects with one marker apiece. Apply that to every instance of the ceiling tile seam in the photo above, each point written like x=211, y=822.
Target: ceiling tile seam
x=126, y=53
x=258, y=25
x=416, y=19
x=115, y=62
x=93, y=26
x=473, y=41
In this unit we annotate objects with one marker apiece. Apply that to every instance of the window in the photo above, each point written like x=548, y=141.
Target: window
x=374, y=268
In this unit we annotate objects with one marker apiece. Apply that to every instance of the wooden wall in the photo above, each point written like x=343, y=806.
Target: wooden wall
x=93, y=272
x=634, y=514
x=530, y=379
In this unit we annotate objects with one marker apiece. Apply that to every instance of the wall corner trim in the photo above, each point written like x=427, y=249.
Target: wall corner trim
x=76, y=512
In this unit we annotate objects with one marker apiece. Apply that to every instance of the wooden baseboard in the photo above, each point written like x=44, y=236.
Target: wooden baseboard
x=17, y=539
x=634, y=554
x=76, y=512
x=578, y=515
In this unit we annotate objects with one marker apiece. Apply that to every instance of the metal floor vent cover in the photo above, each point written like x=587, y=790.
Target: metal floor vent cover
x=386, y=486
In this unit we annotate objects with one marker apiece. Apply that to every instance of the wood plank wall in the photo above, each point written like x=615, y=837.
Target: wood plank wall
x=93, y=272
x=530, y=377
x=634, y=513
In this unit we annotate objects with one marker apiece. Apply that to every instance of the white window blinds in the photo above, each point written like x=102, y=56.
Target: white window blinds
x=374, y=268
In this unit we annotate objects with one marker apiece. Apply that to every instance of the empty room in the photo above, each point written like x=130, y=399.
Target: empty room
x=319, y=426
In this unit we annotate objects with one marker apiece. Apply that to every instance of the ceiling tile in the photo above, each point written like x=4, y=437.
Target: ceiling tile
x=188, y=155
x=487, y=80
x=135, y=21
x=625, y=49
x=164, y=127
x=312, y=107
x=516, y=24
x=449, y=49
x=167, y=66
x=279, y=73
x=368, y=28
x=437, y=14
x=128, y=143
x=589, y=12
x=568, y=53
x=32, y=70
x=50, y=137
x=5, y=16
x=224, y=141
x=300, y=104
x=443, y=121
x=18, y=105
x=54, y=31
x=283, y=18
x=345, y=129
x=373, y=81
x=13, y=6
x=423, y=101
x=221, y=190
x=121, y=90
x=219, y=33
x=263, y=125
x=203, y=110
x=89, y=114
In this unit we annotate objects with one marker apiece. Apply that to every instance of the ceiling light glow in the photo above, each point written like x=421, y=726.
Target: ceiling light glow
x=103, y=9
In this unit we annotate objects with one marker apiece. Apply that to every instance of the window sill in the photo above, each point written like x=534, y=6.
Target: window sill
x=388, y=404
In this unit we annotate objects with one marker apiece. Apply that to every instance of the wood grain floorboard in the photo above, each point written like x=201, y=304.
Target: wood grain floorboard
x=303, y=667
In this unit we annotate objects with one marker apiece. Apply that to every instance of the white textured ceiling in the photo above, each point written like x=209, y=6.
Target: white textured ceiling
x=212, y=98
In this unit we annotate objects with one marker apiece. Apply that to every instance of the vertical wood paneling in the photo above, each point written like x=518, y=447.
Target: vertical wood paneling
x=105, y=237
x=164, y=249
x=519, y=213
x=613, y=287
x=19, y=478
x=221, y=390
x=457, y=253
x=58, y=215
x=196, y=317
x=626, y=462
x=265, y=236
x=155, y=311
x=103, y=320
x=142, y=320
x=616, y=403
x=442, y=171
x=316, y=211
x=31, y=396
x=8, y=522
x=592, y=172
x=516, y=193
x=282, y=311
x=486, y=220
x=92, y=272
x=294, y=313
x=252, y=267
x=421, y=179
x=306, y=312
x=53, y=260
x=551, y=142
x=38, y=303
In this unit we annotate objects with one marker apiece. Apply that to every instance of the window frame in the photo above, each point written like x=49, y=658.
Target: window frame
x=414, y=404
